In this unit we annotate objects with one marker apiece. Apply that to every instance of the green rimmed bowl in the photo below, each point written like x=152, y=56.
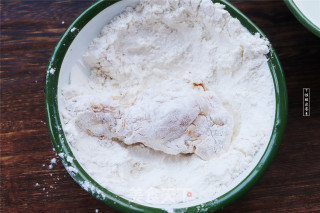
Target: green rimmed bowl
x=74, y=43
x=302, y=13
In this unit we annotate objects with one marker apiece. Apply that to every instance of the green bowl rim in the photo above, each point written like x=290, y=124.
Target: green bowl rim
x=61, y=145
x=302, y=18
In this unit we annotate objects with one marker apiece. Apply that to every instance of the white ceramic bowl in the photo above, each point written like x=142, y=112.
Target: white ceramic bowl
x=70, y=49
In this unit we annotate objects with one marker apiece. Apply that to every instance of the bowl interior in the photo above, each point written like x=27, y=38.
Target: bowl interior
x=66, y=58
x=307, y=13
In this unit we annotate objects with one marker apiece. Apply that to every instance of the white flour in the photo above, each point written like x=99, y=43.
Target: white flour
x=179, y=101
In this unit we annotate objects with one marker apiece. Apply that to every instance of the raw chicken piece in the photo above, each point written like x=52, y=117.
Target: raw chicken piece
x=174, y=123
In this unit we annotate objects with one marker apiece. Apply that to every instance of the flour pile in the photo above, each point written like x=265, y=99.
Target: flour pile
x=179, y=101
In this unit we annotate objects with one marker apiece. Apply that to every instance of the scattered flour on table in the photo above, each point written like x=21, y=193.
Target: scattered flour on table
x=179, y=101
x=53, y=161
